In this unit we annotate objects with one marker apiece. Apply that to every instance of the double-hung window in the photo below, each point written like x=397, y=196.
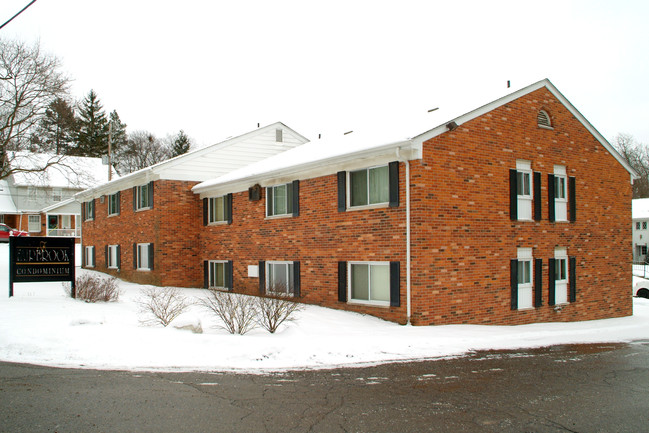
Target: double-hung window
x=370, y=186
x=88, y=210
x=525, y=275
x=282, y=199
x=280, y=278
x=113, y=257
x=143, y=254
x=560, y=193
x=559, y=277
x=217, y=273
x=143, y=196
x=34, y=223
x=89, y=256
x=113, y=204
x=524, y=189
x=369, y=282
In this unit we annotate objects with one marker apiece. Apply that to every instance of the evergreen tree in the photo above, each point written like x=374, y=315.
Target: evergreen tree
x=181, y=144
x=118, y=132
x=57, y=130
x=92, y=137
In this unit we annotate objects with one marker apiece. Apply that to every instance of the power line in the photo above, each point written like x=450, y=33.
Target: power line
x=21, y=11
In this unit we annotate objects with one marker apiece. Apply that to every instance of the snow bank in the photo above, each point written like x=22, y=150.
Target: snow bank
x=42, y=325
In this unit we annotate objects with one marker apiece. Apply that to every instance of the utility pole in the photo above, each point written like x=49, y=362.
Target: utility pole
x=110, y=139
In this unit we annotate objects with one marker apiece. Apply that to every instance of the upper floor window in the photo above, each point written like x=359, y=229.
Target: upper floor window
x=523, y=189
x=283, y=199
x=644, y=225
x=143, y=196
x=88, y=210
x=560, y=193
x=113, y=204
x=57, y=194
x=543, y=119
x=637, y=226
x=369, y=186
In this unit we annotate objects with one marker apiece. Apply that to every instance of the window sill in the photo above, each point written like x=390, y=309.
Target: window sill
x=217, y=223
x=275, y=217
x=143, y=270
x=369, y=303
x=369, y=206
x=112, y=215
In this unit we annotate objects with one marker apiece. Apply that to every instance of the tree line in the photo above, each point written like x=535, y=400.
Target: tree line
x=38, y=115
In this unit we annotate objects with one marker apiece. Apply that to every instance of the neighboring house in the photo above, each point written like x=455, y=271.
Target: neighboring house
x=42, y=203
x=515, y=212
x=145, y=225
x=640, y=229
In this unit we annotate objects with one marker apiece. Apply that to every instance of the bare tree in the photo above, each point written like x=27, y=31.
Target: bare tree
x=142, y=149
x=29, y=82
x=637, y=155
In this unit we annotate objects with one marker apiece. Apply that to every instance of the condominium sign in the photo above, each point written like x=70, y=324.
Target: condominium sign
x=41, y=259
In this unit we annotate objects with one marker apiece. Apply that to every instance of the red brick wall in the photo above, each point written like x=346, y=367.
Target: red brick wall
x=171, y=225
x=464, y=239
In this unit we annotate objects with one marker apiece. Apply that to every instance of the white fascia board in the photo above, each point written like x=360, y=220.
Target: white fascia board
x=130, y=180
x=401, y=151
x=517, y=94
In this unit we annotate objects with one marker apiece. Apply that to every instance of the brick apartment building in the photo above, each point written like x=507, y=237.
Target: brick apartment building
x=516, y=212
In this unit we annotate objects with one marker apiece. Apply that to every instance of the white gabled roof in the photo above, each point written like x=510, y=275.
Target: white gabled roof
x=343, y=152
x=208, y=162
x=640, y=208
x=76, y=172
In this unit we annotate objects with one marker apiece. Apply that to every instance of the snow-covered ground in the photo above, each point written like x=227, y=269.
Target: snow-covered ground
x=42, y=325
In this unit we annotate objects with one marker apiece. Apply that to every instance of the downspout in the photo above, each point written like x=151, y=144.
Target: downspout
x=408, y=288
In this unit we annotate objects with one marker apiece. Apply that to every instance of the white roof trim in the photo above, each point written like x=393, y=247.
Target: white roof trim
x=515, y=95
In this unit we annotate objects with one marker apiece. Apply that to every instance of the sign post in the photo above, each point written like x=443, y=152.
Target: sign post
x=41, y=259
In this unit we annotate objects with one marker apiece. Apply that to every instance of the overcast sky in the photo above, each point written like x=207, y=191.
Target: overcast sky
x=217, y=68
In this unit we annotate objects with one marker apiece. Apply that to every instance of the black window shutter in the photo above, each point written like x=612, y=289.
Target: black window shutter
x=342, y=281
x=151, y=256
x=205, y=205
x=296, y=198
x=513, y=279
x=537, y=196
x=269, y=201
x=551, y=181
x=572, y=200
x=513, y=195
x=93, y=209
x=83, y=256
x=151, y=194
x=262, y=277
x=119, y=202
x=296, y=279
x=395, y=283
x=94, y=257
x=106, y=255
x=134, y=198
x=206, y=274
x=134, y=256
x=551, y=284
x=393, y=168
x=342, y=191
x=119, y=257
x=83, y=211
x=229, y=275
x=538, y=282
x=228, y=208
x=572, y=265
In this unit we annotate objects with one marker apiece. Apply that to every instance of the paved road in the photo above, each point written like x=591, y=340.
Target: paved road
x=585, y=388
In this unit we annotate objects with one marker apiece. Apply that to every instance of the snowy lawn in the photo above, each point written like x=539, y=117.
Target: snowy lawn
x=42, y=325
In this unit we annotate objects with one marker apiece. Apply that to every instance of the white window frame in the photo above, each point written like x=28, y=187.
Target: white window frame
x=644, y=225
x=350, y=280
x=290, y=283
x=212, y=264
x=57, y=194
x=143, y=253
x=560, y=275
x=368, y=192
x=526, y=280
x=271, y=193
x=34, y=226
x=89, y=210
x=560, y=193
x=212, y=205
x=112, y=257
x=113, y=208
x=89, y=252
x=524, y=171
x=142, y=197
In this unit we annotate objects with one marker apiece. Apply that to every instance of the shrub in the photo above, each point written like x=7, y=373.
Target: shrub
x=273, y=310
x=236, y=312
x=93, y=288
x=161, y=305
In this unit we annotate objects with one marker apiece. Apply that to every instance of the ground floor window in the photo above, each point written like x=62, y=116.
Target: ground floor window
x=89, y=257
x=280, y=278
x=525, y=278
x=369, y=282
x=113, y=256
x=34, y=223
x=144, y=257
x=217, y=274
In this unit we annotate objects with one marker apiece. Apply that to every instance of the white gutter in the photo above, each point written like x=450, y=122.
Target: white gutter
x=408, y=288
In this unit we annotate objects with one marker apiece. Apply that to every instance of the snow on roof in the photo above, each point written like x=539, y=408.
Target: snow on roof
x=7, y=205
x=68, y=172
x=640, y=208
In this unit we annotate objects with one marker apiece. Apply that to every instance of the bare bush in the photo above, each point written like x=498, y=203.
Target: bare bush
x=93, y=288
x=236, y=312
x=273, y=310
x=161, y=305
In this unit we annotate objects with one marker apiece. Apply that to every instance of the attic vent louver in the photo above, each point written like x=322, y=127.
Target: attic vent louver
x=254, y=193
x=543, y=119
